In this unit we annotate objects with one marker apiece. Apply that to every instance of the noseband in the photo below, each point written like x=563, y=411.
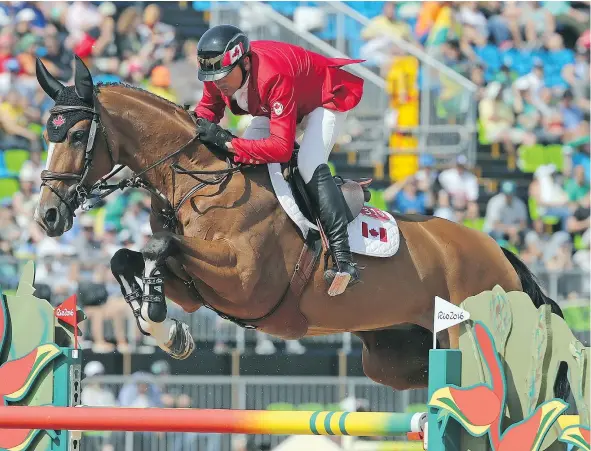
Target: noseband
x=77, y=193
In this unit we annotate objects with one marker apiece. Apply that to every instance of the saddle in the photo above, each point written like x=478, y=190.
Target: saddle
x=355, y=192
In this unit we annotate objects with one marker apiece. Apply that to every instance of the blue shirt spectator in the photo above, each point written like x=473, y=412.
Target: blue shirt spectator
x=555, y=59
x=404, y=197
x=571, y=114
x=408, y=203
x=490, y=56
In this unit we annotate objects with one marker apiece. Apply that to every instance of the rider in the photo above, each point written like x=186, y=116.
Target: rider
x=280, y=85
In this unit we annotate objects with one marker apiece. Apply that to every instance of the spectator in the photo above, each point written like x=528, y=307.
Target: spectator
x=557, y=60
x=264, y=346
x=95, y=394
x=540, y=98
x=548, y=194
x=80, y=17
x=404, y=197
x=577, y=187
x=87, y=243
x=25, y=200
x=558, y=255
x=105, y=46
x=444, y=209
x=57, y=59
x=10, y=231
x=34, y=167
x=127, y=37
x=528, y=117
x=460, y=184
x=92, y=295
x=473, y=219
x=471, y=16
x=155, y=36
x=498, y=120
x=477, y=77
x=578, y=223
x=140, y=392
x=379, y=34
x=12, y=133
x=539, y=22
x=23, y=22
x=426, y=176
x=182, y=76
x=506, y=215
x=572, y=115
x=536, y=241
x=505, y=27
x=481, y=51
x=568, y=17
x=160, y=83
x=577, y=76
x=135, y=215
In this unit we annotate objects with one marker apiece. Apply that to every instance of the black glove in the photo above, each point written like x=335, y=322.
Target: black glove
x=213, y=134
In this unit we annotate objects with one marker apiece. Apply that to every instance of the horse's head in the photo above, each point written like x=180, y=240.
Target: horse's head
x=79, y=152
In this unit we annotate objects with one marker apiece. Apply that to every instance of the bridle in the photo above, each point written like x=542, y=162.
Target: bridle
x=78, y=194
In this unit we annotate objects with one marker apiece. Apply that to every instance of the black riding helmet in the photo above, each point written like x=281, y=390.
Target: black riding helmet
x=220, y=50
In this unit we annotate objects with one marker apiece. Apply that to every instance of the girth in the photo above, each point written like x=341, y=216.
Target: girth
x=304, y=268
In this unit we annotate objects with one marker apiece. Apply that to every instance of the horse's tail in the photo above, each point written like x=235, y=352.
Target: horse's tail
x=530, y=286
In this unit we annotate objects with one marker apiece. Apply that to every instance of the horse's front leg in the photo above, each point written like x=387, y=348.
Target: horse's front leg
x=149, y=305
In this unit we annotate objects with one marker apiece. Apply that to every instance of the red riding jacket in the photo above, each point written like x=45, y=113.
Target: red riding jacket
x=286, y=83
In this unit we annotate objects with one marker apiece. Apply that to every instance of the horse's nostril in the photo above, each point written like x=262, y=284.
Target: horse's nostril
x=51, y=216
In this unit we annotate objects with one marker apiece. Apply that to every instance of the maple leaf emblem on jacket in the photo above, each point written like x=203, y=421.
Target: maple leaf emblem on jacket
x=277, y=108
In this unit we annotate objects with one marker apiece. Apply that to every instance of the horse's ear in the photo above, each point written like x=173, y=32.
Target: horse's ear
x=83, y=81
x=48, y=82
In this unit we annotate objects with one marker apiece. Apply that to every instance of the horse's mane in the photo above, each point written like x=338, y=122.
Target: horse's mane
x=151, y=95
x=188, y=114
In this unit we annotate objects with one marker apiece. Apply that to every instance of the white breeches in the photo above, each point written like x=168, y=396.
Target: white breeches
x=321, y=129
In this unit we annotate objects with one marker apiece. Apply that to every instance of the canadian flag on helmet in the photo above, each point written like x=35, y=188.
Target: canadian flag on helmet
x=233, y=54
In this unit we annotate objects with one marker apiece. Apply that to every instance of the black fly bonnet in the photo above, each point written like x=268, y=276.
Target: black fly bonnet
x=72, y=104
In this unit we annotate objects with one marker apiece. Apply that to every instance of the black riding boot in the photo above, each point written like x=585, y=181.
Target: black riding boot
x=332, y=210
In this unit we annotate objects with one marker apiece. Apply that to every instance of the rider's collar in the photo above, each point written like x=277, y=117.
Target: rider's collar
x=242, y=89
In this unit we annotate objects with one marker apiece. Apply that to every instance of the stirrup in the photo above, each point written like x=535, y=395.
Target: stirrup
x=341, y=279
x=339, y=283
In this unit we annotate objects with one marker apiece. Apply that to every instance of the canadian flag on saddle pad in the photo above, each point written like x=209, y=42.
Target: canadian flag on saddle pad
x=374, y=232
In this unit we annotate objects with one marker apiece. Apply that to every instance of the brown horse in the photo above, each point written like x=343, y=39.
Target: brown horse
x=221, y=239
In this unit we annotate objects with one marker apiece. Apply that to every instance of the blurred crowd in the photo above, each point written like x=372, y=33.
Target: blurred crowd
x=531, y=62
x=142, y=391
x=128, y=44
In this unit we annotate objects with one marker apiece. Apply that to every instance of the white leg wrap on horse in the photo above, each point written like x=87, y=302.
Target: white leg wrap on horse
x=149, y=267
x=162, y=332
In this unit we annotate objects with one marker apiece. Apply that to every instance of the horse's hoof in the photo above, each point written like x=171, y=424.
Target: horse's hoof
x=181, y=344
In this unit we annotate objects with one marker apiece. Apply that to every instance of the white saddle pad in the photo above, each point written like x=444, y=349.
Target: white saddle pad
x=374, y=232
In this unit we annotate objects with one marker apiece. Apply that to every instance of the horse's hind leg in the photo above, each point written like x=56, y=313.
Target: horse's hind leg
x=397, y=357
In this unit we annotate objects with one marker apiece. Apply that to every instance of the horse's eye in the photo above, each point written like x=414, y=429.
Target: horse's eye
x=78, y=136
